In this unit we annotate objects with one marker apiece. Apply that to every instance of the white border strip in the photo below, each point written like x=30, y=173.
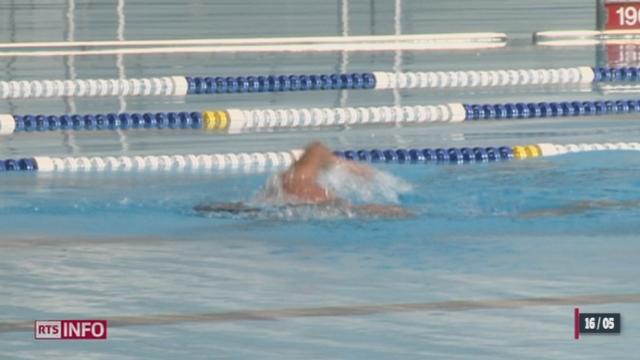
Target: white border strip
x=586, y=37
x=293, y=44
x=464, y=37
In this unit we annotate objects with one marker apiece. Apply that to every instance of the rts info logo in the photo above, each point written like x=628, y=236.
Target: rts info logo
x=70, y=329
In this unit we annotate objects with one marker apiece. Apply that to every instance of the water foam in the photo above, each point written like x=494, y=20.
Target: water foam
x=376, y=187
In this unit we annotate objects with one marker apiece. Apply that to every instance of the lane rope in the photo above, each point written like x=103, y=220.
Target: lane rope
x=237, y=120
x=263, y=161
x=377, y=80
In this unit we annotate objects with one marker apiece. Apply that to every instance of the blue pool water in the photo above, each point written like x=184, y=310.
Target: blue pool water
x=136, y=249
x=175, y=284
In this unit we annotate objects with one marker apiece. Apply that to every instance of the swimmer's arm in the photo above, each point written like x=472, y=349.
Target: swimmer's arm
x=231, y=208
x=355, y=168
x=579, y=207
x=377, y=210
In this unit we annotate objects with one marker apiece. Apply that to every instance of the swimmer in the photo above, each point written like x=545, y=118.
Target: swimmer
x=299, y=186
x=580, y=207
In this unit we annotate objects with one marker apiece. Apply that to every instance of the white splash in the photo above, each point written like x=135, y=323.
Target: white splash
x=377, y=187
x=374, y=187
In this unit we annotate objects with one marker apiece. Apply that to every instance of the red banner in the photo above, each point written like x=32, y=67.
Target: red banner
x=623, y=15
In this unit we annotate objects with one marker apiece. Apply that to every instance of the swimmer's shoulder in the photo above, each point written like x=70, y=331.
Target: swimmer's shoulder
x=382, y=211
x=225, y=208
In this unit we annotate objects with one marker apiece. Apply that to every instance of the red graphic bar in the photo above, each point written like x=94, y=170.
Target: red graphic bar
x=622, y=15
x=576, y=323
x=70, y=329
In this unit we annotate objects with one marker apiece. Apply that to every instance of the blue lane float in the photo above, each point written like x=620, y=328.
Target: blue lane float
x=111, y=121
x=271, y=83
x=549, y=109
x=23, y=164
x=429, y=155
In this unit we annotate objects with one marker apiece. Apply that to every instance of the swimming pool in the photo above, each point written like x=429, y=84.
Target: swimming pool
x=492, y=264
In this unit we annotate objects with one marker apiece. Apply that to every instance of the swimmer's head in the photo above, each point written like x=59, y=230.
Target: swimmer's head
x=319, y=154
